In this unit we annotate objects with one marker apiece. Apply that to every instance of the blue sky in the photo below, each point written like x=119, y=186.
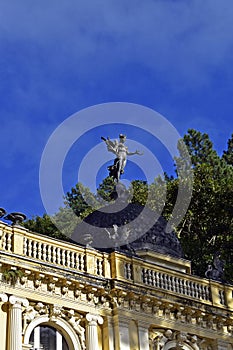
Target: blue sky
x=59, y=57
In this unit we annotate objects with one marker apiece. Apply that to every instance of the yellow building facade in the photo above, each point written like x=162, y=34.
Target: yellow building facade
x=60, y=296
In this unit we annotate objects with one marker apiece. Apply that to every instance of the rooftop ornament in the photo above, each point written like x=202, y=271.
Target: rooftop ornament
x=2, y=212
x=121, y=151
x=15, y=218
x=215, y=270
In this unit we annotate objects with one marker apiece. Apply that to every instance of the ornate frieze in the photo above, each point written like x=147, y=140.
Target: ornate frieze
x=208, y=319
x=162, y=339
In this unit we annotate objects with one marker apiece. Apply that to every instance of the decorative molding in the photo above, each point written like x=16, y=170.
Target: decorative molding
x=3, y=297
x=13, y=299
x=53, y=313
x=91, y=318
x=166, y=339
x=205, y=318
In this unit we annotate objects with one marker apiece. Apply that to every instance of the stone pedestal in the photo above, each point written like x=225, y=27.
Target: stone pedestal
x=92, y=331
x=15, y=322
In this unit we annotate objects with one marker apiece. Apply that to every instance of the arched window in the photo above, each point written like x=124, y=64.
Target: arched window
x=45, y=337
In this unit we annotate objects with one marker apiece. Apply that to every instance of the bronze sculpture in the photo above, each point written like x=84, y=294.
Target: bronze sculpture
x=121, y=151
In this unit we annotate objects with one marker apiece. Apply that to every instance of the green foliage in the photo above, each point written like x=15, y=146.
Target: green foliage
x=10, y=275
x=139, y=191
x=105, y=189
x=80, y=199
x=200, y=148
x=45, y=226
x=207, y=226
x=157, y=194
x=228, y=154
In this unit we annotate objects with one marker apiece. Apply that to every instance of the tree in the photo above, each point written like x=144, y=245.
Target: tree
x=81, y=200
x=45, y=226
x=105, y=190
x=138, y=191
x=207, y=226
x=228, y=154
x=200, y=147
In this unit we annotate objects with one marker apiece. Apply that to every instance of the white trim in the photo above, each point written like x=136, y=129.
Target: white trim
x=60, y=324
x=58, y=340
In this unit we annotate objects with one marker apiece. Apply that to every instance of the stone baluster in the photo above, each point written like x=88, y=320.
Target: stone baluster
x=15, y=322
x=49, y=253
x=81, y=259
x=4, y=240
x=59, y=255
x=77, y=261
x=44, y=254
x=8, y=247
x=92, y=331
x=72, y=260
x=25, y=246
x=68, y=258
x=63, y=257
x=29, y=247
x=54, y=256
x=34, y=249
x=150, y=277
x=39, y=250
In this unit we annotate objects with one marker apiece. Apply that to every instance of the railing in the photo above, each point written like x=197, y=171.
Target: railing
x=19, y=241
x=37, y=247
x=139, y=272
x=182, y=286
x=54, y=254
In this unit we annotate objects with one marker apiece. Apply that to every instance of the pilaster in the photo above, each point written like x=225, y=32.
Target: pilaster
x=124, y=341
x=222, y=345
x=143, y=333
x=108, y=334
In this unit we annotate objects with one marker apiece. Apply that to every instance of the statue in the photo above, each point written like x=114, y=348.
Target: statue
x=215, y=270
x=121, y=152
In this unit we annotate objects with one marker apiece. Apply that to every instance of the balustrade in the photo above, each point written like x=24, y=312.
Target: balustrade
x=116, y=265
x=178, y=285
x=51, y=253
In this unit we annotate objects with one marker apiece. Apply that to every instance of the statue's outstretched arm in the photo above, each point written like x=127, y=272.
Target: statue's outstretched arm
x=136, y=152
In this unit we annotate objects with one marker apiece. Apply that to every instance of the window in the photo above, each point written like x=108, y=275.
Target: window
x=45, y=337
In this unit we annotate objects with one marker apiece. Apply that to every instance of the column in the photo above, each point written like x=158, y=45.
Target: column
x=15, y=322
x=92, y=331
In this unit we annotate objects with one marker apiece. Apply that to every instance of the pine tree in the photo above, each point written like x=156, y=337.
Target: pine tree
x=228, y=154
